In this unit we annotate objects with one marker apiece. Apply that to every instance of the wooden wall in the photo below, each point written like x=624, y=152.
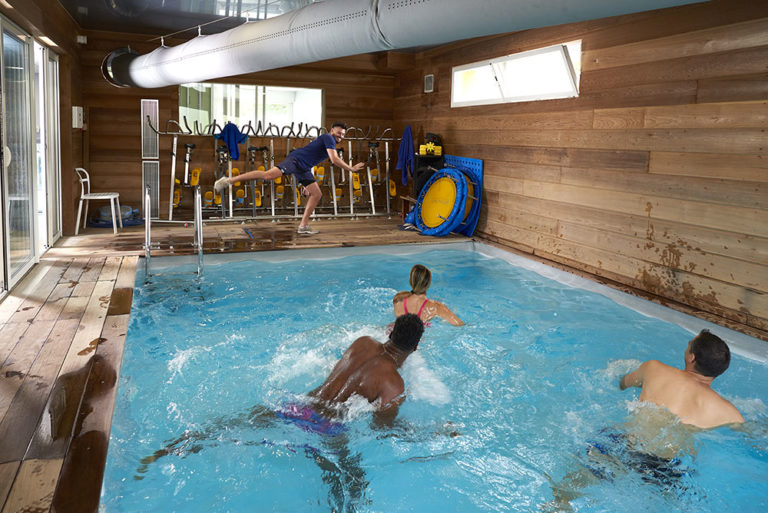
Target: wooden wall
x=358, y=90
x=655, y=177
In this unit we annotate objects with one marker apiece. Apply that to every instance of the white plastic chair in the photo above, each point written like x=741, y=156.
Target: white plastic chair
x=86, y=194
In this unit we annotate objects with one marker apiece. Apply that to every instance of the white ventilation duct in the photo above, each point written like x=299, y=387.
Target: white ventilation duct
x=337, y=28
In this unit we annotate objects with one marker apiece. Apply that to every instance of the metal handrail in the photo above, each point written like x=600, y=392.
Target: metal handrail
x=147, y=229
x=199, y=230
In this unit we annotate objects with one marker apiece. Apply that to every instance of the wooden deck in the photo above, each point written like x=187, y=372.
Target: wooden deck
x=62, y=331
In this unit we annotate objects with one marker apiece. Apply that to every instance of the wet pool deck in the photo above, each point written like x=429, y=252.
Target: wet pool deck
x=62, y=330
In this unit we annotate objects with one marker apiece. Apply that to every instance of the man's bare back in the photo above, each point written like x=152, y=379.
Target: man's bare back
x=687, y=393
x=370, y=369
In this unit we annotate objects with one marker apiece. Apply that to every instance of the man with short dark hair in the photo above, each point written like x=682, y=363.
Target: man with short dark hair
x=370, y=369
x=687, y=393
x=300, y=162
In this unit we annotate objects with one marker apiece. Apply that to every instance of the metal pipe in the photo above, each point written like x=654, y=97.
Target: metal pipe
x=147, y=229
x=337, y=28
x=199, y=229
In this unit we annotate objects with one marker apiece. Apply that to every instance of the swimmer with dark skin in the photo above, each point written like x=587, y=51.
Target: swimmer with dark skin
x=369, y=369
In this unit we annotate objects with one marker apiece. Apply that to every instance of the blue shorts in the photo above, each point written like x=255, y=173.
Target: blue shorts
x=306, y=418
x=651, y=468
x=290, y=167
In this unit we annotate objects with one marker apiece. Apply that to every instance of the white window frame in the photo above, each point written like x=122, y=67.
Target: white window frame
x=572, y=73
x=235, y=105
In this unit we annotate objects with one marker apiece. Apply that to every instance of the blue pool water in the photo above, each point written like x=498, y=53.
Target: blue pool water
x=496, y=410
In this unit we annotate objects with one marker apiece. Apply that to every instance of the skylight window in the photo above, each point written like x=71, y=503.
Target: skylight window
x=541, y=74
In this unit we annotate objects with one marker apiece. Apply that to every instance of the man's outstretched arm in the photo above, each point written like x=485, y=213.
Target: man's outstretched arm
x=633, y=379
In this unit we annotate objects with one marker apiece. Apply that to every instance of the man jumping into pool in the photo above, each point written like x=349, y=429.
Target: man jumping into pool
x=300, y=162
x=370, y=369
x=674, y=405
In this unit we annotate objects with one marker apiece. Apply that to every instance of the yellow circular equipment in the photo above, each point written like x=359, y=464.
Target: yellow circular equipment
x=470, y=193
x=438, y=202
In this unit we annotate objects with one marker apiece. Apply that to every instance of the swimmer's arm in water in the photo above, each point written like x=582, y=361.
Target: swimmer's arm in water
x=635, y=378
x=445, y=313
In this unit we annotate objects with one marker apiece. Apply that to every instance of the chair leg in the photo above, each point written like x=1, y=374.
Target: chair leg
x=114, y=221
x=85, y=214
x=119, y=213
x=79, y=211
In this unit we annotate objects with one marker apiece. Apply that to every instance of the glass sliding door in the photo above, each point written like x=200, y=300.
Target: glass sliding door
x=18, y=162
x=47, y=186
x=17, y=152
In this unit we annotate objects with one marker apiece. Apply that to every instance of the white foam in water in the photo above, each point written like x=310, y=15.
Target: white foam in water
x=751, y=408
x=618, y=368
x=357, y=406
x=182, y=357
x=422, y=384
x=305, y=355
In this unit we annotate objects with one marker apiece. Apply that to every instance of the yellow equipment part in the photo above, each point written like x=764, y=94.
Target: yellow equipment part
x=278, y=180
x=240, y=194
x=430, y=149
x=470, y=193
x=236, y=172
x=320, y=174
x=176, y=197
x=217, y=199
x=208, y=198
x=177, y=181
x=257, y=198
x=374, y=172
x=392, y=188
x=194, y=179
x=438, y=202
x=298, y=197
x=260, y=168
x=338, y=192
x=356, y=181
x=279, y=190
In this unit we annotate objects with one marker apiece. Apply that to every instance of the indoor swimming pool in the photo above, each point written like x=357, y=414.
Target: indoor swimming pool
x=497, y=411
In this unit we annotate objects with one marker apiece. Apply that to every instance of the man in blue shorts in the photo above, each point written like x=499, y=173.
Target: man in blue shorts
x=300, y=162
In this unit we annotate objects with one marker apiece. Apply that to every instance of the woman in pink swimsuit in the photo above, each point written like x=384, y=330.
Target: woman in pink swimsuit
x=416, y=300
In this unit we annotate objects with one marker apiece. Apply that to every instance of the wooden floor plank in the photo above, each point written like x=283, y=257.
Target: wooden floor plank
x=16, y=367
x=74, y=308
x=9, y=336
x=34, y=486
x=73, y=374
x=83, y=469
x=84, y=289
x=93, y=269
x=75, y=270
x=127, y=275
x=29, y=285
x=35, y=298
x=110, y=268
x=20, y=422
x=7, y=476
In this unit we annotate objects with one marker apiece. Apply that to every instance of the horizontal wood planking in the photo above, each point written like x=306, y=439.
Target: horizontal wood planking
x=661, y=232
x=712, y=40
x=750, y=168
x=654, y=176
